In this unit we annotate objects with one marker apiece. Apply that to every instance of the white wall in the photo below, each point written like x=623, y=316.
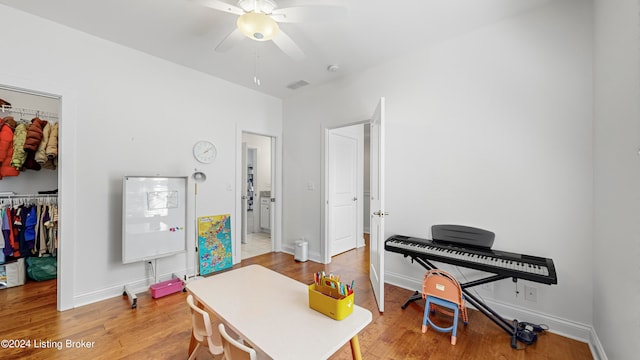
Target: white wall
x=616, y=274
x=492, y=129
x=126, y=113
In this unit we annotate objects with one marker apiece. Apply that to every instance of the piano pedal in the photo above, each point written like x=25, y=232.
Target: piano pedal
x=523, y=332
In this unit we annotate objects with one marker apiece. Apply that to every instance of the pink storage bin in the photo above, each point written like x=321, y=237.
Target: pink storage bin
x=165, y=288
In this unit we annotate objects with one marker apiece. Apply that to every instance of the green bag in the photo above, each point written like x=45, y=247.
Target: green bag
x=42, y=268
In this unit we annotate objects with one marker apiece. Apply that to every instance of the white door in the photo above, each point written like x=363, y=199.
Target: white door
x=343, y=189
x=376, y=246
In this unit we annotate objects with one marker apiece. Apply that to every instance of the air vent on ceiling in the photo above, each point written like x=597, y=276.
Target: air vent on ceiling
x=297, y=84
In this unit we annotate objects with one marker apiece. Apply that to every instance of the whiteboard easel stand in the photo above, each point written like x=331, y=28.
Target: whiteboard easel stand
x=141, y=196
x=130, y=292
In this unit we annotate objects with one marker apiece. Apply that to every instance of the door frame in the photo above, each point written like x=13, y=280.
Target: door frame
x=276, y=191
x=325, y=245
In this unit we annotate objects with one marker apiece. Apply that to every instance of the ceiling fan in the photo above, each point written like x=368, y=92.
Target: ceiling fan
x=258, y=20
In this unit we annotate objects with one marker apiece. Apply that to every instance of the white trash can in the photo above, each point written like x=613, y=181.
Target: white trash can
x=302, y=251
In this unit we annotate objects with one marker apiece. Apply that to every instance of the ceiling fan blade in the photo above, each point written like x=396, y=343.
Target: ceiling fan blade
x=222, y=6
x=288, y=46
x=230, y=40
x=311, y=13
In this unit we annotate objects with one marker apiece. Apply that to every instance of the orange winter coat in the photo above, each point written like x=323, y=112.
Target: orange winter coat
x=6, y=147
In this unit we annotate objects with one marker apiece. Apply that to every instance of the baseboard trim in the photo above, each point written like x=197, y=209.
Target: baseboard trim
x=138, y=286
x=312, y=255
x=596, y=347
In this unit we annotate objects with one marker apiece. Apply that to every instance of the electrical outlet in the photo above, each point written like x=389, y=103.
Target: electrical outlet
x=530, y=293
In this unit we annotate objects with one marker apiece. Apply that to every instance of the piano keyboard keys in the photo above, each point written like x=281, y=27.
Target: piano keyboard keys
x=470, y=257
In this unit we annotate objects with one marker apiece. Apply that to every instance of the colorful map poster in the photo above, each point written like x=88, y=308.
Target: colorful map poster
x=214, y=243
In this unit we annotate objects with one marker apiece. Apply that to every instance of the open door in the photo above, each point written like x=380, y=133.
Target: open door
x=243, y=231
x=376, y=236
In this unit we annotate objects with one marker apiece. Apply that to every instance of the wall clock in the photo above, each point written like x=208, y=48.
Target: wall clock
x=204, y=151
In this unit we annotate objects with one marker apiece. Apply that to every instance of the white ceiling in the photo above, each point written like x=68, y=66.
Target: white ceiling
x=185, y=32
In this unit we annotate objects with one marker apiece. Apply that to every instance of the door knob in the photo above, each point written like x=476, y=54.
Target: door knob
x=355, y=198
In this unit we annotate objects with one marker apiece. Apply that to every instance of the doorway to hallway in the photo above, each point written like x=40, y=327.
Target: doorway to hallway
x=257, y=175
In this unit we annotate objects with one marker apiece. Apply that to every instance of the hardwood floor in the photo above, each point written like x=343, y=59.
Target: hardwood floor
x=160, y=328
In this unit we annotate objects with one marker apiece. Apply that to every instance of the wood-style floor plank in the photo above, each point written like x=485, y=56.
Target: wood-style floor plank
x=161, y=329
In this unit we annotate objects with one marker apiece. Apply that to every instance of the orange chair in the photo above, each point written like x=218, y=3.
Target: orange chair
x=441, y=289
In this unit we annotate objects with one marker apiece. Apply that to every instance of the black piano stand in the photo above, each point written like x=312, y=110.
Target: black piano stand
x=416, y=296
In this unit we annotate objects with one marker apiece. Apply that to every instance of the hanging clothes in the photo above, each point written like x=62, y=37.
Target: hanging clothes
x=34, y=134
x=52, y=145
x=19, y=232
x=52, y=226
x=7, y=233
x=30, y=222
x=32, y=143
x=41, y=155
x=41, y=234
x=1, y=238
x=6, y=147
x=29, y=228
x=19, y=155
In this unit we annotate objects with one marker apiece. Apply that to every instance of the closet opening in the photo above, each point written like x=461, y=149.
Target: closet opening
x=29, y=243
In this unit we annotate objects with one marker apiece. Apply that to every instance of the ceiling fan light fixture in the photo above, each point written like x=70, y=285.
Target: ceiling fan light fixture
x=258, y=26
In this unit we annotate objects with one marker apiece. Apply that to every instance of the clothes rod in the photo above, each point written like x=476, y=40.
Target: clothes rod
x=25, y=111
x=27, y=196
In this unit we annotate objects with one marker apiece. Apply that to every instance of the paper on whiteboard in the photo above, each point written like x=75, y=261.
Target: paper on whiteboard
x=157, y=200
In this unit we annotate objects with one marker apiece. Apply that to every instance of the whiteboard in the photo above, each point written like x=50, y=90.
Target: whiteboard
x=153, y=217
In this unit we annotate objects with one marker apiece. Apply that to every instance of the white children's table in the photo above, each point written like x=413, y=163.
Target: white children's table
x=271, y=312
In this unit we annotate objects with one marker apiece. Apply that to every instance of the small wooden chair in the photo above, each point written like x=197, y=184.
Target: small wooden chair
x=203, y=330
x=234, y=349
x=440, y=288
